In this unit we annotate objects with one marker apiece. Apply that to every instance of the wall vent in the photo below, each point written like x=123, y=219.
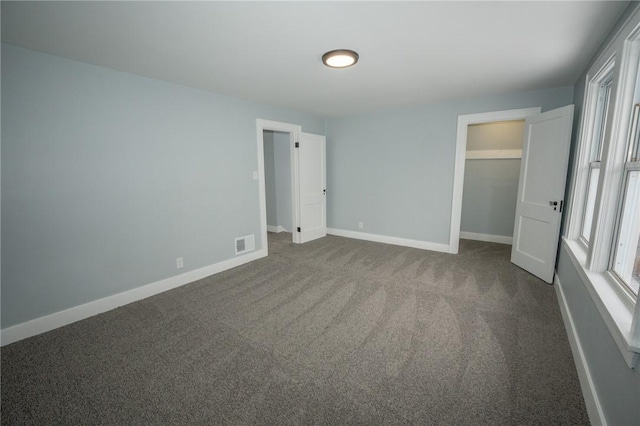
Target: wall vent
x=245, y=244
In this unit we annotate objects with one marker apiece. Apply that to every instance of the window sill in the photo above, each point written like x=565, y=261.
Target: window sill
x=615, y=308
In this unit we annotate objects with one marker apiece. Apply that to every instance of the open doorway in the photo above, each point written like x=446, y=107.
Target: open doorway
x=491, y=175
x=464, y=123
x=277, y=173
x=307, y=171
x=286, y=135
x=541, y=184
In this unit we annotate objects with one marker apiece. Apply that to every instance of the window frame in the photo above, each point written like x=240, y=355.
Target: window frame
x=631, y=164
x=618, y=307
x=604, y=69
x=598, y=121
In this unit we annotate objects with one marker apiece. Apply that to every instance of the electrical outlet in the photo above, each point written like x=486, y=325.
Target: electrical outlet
x=180, y=262
x=255, y=175
x=360, y=225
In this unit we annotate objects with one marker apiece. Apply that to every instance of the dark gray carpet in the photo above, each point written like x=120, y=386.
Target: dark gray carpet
x=335, y=331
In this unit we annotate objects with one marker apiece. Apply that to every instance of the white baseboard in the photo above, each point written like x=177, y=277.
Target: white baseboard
x=425, y=245
x=594, y=409
x=77, y=313
x=276, y=229
x=486, y=237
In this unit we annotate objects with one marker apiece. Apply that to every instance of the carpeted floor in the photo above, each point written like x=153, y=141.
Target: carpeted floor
x=335, y=331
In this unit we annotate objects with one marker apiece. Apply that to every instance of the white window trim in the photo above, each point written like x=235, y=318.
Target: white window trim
x=594, y=165
x=585, y=138
x=613, y=156
x=618, y=310
x=623, y=238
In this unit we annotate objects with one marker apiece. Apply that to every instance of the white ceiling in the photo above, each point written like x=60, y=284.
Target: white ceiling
x=410, y=53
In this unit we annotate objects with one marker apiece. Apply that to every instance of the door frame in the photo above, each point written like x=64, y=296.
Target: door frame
x=461, y=148
x=294, y=131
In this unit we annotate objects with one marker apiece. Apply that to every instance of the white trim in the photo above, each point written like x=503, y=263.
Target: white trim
x=616, y=310
x=621, y=53
x=425, y=245
x=294, y=131
x=295, y=184
x=613, y=153
x=495, y=154
x=591, y=400
x=460, y=156
x=59, y=319
x=580, y=172
x=619, y=45
x=619, y=310
x=276, y=229
x=501, y=239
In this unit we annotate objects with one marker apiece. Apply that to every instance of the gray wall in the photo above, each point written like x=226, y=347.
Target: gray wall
x=489, y=196
x=277, y=154
x=282, y=159
x=491, y=185
x=107, y=177
x=393, y=169
x=496, y=135
x=270, y=178
x=617, y=386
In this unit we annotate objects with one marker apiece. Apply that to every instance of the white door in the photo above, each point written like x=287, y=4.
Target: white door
x=312, y=183
x=543, y=172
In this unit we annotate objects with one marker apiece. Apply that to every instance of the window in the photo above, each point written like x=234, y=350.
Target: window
x=602, y=237
x=626, y=253
x=597, y=143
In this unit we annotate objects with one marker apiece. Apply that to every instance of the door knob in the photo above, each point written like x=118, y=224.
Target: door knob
x=554, y=204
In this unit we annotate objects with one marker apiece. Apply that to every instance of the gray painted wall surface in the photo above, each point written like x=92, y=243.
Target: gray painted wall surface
x=270, y=179
x=278, y=179
x=108, y=177
x=491, y=185
x=617, y=386
x=498, y=135
x=282, y=159
x=393, y=169
x=489, y=196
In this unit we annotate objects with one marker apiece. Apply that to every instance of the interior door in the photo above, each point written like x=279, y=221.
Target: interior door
x=312, y=183
x=543, y=172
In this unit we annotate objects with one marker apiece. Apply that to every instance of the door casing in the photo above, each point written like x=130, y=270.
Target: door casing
x=461, y=147
x=294, y=131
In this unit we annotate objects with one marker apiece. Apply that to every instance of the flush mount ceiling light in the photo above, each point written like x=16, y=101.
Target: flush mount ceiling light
x=340, y=58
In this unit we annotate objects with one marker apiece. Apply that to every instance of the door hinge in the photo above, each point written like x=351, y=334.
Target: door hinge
x=299, y=229
x=297, y=144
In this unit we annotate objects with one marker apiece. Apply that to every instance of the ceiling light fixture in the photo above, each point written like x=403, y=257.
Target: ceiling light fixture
x=340, y=58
